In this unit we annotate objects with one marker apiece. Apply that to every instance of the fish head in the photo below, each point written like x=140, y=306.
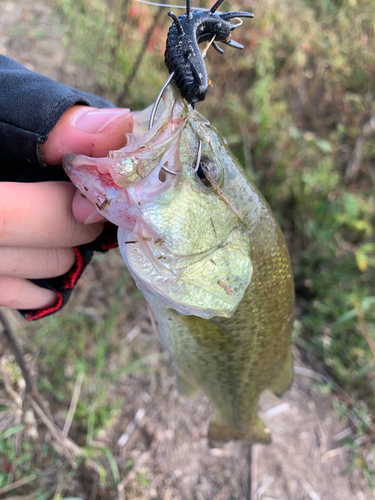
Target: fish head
x=183, y=226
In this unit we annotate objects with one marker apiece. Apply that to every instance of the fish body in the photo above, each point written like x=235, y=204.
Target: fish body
x=205, y=248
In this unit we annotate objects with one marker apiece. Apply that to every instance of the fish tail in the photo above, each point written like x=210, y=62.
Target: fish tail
x=252, y=433
x=284, y=379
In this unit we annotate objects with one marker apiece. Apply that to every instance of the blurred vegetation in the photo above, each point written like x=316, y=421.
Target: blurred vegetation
x=95, y=359
x=296, y=107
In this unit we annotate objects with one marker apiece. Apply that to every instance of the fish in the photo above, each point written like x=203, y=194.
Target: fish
x=205, y=248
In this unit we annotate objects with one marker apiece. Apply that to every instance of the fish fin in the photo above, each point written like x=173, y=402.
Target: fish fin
x=284, y=379
x=185, y=386
x=252, y=433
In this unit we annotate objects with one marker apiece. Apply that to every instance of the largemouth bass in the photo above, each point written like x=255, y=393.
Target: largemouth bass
x=205, y=248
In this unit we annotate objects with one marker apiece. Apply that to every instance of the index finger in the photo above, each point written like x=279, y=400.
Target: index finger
x=40, y=215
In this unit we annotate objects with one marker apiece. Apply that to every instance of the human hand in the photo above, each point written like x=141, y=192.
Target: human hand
x=40, y=223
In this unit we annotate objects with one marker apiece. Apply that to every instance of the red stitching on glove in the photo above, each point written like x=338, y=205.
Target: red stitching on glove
x=75, y=272
x=108, y=246
x=40, y=313
x=69, y=282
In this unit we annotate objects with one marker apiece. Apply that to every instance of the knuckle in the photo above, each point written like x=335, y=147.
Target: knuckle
x=86, y=233
x=94, y=230
x=7, y=219
x=53, y=262
x=10, y=291
x=62, y=260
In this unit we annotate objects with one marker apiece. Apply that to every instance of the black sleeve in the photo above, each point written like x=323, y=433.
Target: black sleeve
x=30, y=106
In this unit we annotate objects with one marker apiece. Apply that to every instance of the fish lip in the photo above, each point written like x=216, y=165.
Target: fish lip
x=74, y=162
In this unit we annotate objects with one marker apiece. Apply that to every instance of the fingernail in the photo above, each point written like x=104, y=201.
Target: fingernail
x=94, y=121
x=95, y=217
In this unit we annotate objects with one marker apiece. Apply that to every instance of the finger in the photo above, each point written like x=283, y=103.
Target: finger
x=36, y=263
x=18, y=293
x=87, y=131
x=40, y=215
x=85, y=211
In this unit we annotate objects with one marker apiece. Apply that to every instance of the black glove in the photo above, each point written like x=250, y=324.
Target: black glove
x=30, y=107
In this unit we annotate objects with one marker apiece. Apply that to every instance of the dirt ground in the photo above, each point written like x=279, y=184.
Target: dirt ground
x=305, y=460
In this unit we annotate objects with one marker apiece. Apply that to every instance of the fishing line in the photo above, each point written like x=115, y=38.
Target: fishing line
x=240, y=21
x=168, y=5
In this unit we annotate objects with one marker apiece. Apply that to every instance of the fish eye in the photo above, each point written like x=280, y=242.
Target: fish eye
x=209, y=167
x=206, y=170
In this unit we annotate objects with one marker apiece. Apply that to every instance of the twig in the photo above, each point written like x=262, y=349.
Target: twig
x=19, y=497
x=124, y=94
x=16, y=397
x=320, y=377
x=140, y=461
x=332, y=453
x=17, y=484
x=247, y=153
x=208, y=45
x=18, y=354
x=69, y=447
x=323, y=378
x=249, y=473
x=354, y=164
x=217, y=188
x=17, y=351
x=371, y=172
x=307, y=372
x=124, y=438
x=254, y=473
x=134, y=471
x=312, y=494
x=61, y=487
x=55, y=433
x=363, y=327
x=73, y=404
x=348, y=432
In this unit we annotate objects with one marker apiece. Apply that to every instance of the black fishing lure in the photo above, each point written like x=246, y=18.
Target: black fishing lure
x=182, y=55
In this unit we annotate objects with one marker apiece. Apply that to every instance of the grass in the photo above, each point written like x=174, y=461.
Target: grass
x=83, y=350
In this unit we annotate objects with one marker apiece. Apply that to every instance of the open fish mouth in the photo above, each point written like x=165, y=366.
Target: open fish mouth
x=182, y=239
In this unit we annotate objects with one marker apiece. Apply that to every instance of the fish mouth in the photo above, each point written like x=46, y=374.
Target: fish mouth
x=93, y=178
x=125, y=178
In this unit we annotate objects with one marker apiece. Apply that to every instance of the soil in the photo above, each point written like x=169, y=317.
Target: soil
x=306, y=459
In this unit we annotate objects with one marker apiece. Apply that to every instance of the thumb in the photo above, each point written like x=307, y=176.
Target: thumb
x=88, y=131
